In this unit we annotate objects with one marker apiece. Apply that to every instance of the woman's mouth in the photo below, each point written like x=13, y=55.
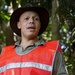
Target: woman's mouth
x=31, y=28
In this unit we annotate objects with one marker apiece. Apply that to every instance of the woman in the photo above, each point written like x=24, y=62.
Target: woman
x=31, y=55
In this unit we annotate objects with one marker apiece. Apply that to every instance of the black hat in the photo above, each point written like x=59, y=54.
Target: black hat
x=42, y=12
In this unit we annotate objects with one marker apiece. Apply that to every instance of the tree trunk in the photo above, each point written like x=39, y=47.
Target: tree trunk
x=9, y=33
x=55, y=20
x=9, y=36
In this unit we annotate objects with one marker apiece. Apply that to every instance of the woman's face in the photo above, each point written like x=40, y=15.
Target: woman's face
x=29, y=23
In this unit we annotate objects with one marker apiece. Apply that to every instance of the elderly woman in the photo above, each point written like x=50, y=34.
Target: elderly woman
x=31, y=55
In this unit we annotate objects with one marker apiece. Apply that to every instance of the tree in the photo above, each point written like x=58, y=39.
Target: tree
x=55, y=21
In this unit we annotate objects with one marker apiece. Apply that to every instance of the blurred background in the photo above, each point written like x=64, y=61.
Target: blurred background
x=61, y=25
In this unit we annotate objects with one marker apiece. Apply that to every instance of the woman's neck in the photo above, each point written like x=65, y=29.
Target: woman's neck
x=26, y=42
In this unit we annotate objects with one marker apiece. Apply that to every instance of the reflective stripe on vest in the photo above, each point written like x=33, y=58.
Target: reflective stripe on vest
x=26, y=64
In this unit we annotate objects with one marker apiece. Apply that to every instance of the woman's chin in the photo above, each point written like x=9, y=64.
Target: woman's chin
x=31, y=36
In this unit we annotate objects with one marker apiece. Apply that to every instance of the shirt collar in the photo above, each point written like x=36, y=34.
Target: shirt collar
x=38, y=43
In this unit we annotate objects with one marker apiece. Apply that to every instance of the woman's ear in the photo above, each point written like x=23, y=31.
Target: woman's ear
x=18, y=25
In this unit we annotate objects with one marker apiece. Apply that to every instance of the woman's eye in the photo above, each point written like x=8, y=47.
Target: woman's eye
x=26, y=18
x=36, y=18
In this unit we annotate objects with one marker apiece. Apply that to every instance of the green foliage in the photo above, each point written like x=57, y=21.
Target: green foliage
x=2, y=36
x=8, y=2
x=66, y=12
x=4, y=17
x=23, y=3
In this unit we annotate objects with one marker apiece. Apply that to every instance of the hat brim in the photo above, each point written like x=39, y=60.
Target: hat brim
x=42, y=12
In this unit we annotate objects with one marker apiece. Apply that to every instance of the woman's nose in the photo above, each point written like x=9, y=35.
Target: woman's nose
x=31, y=20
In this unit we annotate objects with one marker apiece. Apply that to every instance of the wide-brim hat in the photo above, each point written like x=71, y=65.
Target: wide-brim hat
x=42, y=12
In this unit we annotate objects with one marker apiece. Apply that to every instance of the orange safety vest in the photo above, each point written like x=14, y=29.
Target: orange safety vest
x=37, y=62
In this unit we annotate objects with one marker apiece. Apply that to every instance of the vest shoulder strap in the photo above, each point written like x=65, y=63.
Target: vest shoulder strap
x=6, y=49
x=54, y=45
